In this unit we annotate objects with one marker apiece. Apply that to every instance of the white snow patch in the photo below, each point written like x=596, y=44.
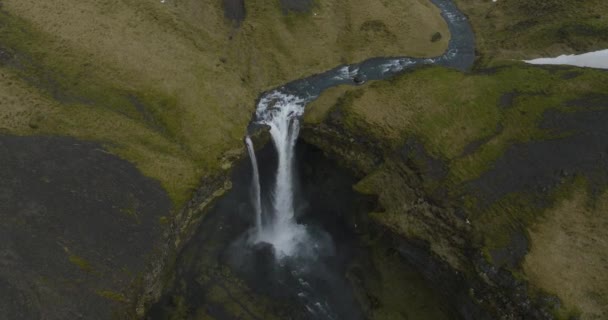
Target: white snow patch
x=596, y=59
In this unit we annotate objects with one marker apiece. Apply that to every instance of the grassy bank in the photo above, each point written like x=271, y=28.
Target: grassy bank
x=484, y=127
x=567, y=255
x=519, y=29
x=171, y=86
x=466, y=120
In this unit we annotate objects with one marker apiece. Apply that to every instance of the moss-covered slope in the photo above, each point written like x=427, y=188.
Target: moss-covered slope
x=487, y=161
x=517, y=29
x=78, y=227
x=170, y=85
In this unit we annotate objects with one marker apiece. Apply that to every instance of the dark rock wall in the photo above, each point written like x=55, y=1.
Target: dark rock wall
x=474, y=287
x=77, y=226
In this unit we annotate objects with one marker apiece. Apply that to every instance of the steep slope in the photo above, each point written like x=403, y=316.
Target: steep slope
x=481, y=167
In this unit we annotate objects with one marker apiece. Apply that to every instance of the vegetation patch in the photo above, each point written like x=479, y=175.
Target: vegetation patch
x=519, y=29
x=112, y=295
x=568, y=252
x=436, y=37
x=392, y=289
x=135, y=75
x=448, y=110
x=80, y=262
x=535, y=132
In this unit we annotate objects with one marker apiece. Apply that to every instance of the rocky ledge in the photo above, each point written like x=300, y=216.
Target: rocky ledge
x=493, y=236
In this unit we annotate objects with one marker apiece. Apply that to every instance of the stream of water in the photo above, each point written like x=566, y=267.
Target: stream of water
x=256, y=195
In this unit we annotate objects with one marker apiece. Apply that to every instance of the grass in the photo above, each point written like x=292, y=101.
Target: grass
x=448, y=110
x=297, y=45
x=171, y=87
x=568, y=253
x=519, y=29
x=405, y=215
x=88, y=105
x=515, y=212
x=111, y=295
x=395, y=290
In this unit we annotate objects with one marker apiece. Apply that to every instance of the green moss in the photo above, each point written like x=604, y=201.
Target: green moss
x=436, y=37
x=525, y=29
x=164, y=220
x=557, y=308
x=112, y=295
x=567, y=313
x=389, y=288
x=516, y=212
x=144, y=92
x=225, y=290
x=80, y=262
x=147, y=118
x=448, y=110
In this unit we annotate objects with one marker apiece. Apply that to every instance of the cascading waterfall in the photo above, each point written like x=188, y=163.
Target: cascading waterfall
x=256, y=195
x=281, y=112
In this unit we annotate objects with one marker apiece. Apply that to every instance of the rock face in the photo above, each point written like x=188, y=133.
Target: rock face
x=473, y=252
x=222, y=277
x=438, y=240
x=182, y=228
x=84, y=233
x=78, y=226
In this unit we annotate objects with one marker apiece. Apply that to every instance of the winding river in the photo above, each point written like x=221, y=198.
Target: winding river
x=459, y=55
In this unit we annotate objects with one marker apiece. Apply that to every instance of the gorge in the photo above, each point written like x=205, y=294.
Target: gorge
x=432, y=174
x=306, y=270
x=292, y=254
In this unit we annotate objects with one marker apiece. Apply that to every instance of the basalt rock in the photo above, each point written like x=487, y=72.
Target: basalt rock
x=181, y=230
x=438, y=239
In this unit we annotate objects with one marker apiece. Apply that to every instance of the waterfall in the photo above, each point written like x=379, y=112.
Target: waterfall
x=256, y=195
x=281, y=112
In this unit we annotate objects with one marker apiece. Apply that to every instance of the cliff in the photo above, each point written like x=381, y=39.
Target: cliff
x=498, y=176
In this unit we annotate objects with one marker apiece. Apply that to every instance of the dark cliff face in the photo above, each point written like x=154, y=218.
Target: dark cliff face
x=439, y=240
x=78, y=228
x=85, y=234
x=498, y=183
x=220, y=275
